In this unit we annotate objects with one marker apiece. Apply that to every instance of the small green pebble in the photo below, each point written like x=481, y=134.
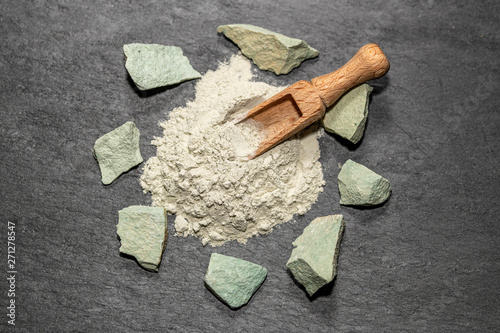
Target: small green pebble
x=347, y=117
x=268, y=50
x=118, y=151
x=143, y=234
x=313, y=262
x=152, y=65
x=360, y=186
x=233, y=280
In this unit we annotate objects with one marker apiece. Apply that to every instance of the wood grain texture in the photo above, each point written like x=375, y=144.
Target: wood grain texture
x=367, y=64
x=298, y=106
x=286, y=114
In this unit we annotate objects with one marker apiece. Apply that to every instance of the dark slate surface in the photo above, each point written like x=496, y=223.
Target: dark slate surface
x=428, y=260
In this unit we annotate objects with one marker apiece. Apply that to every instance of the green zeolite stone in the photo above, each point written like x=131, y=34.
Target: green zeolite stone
x=360, y=186
x=347, y=117
x=143, y=234
x=313, y=262
x=268, y=50
x=118, y=151
x=152, y=65
x=233, y=280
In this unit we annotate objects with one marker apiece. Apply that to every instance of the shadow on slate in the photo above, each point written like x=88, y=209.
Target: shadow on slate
x=369, y=207
x=118, y=179
x=346, y=143
x=134, y=259
x=324, y=291
x=227, y=305
x=151, y=92
x=380, y=84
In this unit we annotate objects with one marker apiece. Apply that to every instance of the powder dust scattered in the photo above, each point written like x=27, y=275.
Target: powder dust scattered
x=201, y=172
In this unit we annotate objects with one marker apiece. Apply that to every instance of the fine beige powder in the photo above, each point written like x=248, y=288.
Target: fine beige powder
x=202, y=174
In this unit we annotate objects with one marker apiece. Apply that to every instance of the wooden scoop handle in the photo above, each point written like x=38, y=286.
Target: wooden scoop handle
x=367, y=64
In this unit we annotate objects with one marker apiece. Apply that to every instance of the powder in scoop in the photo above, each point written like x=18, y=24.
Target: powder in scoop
x=202, y=174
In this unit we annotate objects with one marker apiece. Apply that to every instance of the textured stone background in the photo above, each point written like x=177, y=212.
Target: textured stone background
x=428, y=260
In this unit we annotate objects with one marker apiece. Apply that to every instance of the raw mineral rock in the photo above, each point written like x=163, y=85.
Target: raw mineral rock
x=143, y=234
x=313, y=262
x=268, y=50
x=118, y=151
x=360, y=186
x=233, y=280
x=347, y=117
x=152, y=65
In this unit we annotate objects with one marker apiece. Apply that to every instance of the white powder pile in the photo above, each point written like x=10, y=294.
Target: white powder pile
x=201, y=172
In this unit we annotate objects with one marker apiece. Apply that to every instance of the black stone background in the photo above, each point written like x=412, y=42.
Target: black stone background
x=426, y=261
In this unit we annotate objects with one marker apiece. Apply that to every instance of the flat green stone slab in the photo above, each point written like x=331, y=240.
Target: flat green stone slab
x=233, y=280
x=152, y=65
x=118, y=151
x=143, y=234
x=313, y=262
x=347, y=117
x=360, y=186
x=268, y=50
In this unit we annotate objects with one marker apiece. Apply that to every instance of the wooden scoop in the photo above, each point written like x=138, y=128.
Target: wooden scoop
x=303, y=103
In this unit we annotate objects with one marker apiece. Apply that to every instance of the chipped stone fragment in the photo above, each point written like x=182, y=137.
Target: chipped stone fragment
x=233, y=280
x=152, y=65
x=347, y=117
x=181, y=225
x=313, y=262
x=360, y=186
x=214, y=235
x=268, y=50
x=143, y=234
x=118, y=151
